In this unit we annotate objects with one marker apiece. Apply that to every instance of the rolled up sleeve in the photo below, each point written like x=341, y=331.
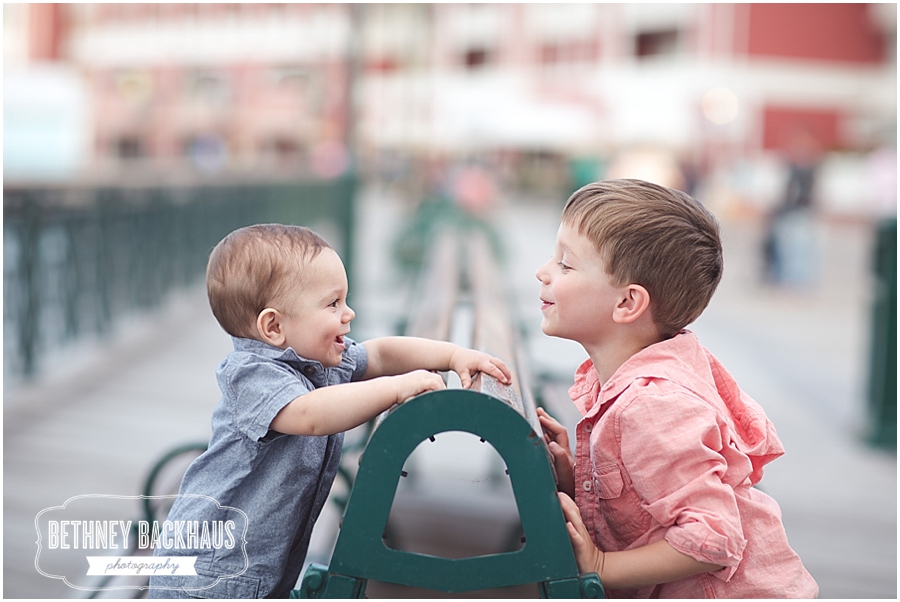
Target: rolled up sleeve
x=677, y=443
x=261, y=389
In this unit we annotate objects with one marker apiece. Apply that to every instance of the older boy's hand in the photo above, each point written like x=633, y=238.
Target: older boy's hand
x=415, y=383
x=557, y=439
x=467, y=362
x=588, y=558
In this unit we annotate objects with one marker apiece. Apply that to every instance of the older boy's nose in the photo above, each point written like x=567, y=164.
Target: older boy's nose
x=540, y=274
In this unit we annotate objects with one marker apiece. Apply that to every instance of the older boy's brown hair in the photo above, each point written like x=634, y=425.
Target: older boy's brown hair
x=654, y=236
x=252, y=268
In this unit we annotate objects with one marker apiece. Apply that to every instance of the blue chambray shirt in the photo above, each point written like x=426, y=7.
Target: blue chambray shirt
x=280, y=481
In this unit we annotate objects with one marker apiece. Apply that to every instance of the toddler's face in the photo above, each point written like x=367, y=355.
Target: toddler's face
x=317, y=318
x=577, y=296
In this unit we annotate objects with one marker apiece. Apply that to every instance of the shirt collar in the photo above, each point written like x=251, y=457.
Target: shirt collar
x=270, y=351
x=683, y=360
x=675, y=359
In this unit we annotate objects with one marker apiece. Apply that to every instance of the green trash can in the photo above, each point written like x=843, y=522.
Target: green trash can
x=882, y=385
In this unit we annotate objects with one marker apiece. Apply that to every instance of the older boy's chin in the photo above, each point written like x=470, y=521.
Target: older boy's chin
x=550, y=331
x=547, y=329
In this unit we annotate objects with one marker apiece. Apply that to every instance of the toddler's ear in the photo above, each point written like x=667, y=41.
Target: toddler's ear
x=632, y=304
x=268, y=323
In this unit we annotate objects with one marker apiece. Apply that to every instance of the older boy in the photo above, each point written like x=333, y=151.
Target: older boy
x=292, y=385
x=668, y=448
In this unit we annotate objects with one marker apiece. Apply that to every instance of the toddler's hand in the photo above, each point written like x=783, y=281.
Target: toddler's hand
x=415, y=383
x=466, y=362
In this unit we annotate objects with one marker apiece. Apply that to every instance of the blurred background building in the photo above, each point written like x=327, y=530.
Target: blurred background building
x=546, y=93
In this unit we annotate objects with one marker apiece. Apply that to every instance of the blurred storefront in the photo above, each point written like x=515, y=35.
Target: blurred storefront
x=267, y=87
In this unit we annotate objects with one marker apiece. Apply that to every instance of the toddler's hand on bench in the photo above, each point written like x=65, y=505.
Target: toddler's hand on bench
x=415, y=383
x=467, y=362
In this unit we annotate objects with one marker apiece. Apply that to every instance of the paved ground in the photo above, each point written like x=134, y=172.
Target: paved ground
x=98, y=423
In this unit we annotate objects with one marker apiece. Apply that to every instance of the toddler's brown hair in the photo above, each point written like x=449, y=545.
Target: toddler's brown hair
x=252, y=268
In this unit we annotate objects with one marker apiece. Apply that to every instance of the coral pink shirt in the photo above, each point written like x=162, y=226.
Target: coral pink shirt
x=670, y=447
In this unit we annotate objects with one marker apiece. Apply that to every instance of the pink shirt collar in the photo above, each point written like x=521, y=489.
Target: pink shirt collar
x=682, y=360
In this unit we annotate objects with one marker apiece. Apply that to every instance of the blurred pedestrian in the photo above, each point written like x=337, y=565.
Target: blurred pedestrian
x=474, y=189
x=789, y=244
x=659, y=496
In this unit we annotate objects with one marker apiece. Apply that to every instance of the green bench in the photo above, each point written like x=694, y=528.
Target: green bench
x=461, y=272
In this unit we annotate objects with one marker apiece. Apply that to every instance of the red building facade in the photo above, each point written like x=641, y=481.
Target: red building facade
x=267, y=86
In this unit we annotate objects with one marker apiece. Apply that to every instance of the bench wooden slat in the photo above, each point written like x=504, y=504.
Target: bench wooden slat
x=437, y=291
x=496, y=330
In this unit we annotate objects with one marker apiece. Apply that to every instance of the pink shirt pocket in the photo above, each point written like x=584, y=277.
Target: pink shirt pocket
x=619, y=503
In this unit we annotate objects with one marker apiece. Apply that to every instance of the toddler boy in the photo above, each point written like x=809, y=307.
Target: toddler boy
x=293, y=384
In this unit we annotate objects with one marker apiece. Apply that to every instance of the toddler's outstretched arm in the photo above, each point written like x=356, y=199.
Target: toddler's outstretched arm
x=398, y=368
x=396, y=355
x=338, y=408
x=654, y=563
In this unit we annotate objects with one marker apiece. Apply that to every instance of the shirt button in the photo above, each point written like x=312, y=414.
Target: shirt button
x=588, y=427
x=309, y=369
x=586, y=485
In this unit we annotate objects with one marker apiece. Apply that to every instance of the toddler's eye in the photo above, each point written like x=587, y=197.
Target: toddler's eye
x=334, y=303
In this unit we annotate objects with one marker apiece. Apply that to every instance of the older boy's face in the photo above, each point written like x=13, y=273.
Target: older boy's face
x=577, y=297
x=317, y=318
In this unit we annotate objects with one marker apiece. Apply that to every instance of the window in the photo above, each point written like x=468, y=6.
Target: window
x=207, y=151
x=656, y=43
x=129, y=147
x=209, y=89
x=476, y=58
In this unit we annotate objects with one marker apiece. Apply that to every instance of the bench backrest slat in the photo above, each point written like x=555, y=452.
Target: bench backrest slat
x=437, y=291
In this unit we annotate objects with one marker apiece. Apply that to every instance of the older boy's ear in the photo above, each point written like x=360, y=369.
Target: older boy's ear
x=268, y=323
x=632, y=304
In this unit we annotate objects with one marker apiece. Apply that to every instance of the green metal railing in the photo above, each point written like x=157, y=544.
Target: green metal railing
x=76, y=258
x=882, y=382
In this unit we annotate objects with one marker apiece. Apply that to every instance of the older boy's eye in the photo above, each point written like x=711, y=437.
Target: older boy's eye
x=562, y=266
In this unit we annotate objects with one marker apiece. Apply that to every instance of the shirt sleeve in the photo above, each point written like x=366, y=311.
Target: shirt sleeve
x=672, y=448
x=259, y=390
x=356, y=355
